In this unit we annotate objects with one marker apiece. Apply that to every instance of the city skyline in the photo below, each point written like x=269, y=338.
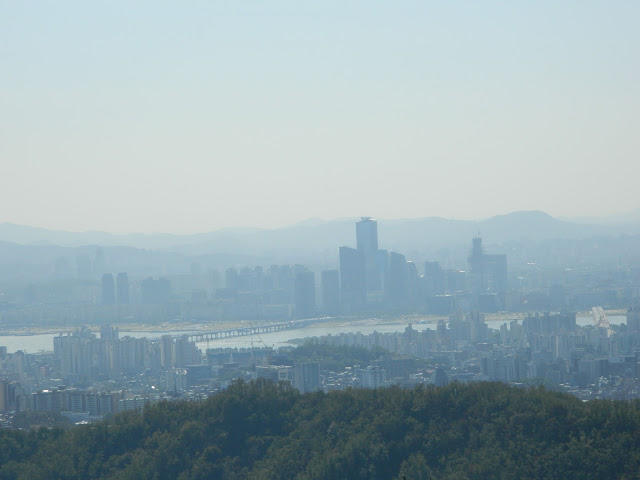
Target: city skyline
x=156, y=117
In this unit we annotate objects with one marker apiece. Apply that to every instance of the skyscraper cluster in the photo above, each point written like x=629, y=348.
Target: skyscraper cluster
x=375, y=279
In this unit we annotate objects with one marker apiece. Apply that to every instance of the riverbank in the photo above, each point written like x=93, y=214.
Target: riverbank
x=188, y=327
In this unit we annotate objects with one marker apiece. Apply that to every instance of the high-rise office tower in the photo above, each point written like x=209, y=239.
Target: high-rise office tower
x=331, y=291
x=397, y=285
x=487, y=272
x=123, y=287
x=367, y=236
x=476, y=264
x=367, y=243
x=108, y=289
x=477, y=274
x=352, y=279
x=305, y=294
x=413, y=296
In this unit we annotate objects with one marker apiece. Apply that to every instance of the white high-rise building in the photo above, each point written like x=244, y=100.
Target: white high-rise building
x=374, y=377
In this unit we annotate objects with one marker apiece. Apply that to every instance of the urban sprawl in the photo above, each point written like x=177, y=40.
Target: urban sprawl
x=94, y=371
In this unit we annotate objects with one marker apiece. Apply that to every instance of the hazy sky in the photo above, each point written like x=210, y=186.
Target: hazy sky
x=192, y=116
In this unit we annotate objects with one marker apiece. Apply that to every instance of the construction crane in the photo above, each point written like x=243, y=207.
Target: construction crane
x=265, y=359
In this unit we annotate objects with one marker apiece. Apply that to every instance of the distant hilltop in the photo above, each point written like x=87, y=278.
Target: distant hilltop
x=319, y=235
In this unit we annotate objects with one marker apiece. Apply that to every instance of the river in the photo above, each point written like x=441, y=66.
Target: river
x=39, y=343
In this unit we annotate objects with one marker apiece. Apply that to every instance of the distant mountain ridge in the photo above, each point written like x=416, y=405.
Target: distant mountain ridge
x=30, y=253
x=318, y=235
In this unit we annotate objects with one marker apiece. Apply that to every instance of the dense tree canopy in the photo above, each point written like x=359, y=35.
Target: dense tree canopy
x=260, y=430
x=334, y=357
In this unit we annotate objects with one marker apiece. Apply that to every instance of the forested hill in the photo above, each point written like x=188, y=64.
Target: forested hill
x=266, y=431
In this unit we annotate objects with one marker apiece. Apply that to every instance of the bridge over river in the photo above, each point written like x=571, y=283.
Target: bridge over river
x=251, y=330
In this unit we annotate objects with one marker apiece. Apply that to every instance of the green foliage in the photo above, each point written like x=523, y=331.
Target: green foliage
x=260, y=430
x=336, y=357
x=26, y=420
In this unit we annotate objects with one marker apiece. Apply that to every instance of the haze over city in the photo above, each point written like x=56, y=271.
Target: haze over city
x=292, y=239
x=159, y=117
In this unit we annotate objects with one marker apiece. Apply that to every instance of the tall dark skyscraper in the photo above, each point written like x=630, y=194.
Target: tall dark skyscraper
x=352, y=279
x=108, y=289
x=367, y=236
x=476, y=262
x=477, y=277
x=123, y=287
x=367, y=243
x=487, y=272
